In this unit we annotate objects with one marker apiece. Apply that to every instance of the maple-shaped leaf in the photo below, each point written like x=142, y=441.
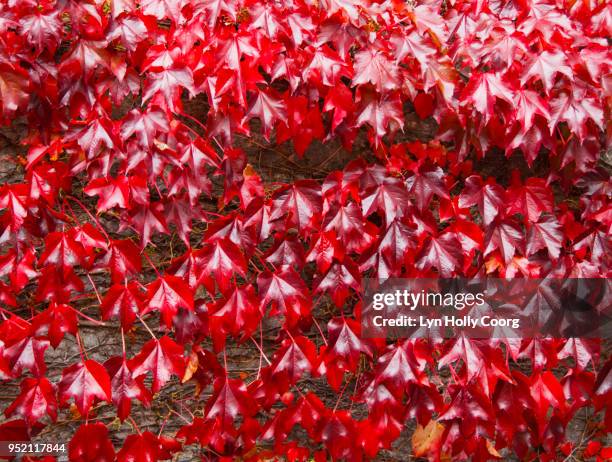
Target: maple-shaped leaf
x=230, y=398
x=145, y=125
x=124, y=301
x=488, y=196
x=300, y=203
x=143, y=447
x=55, y=322
x=470, y=406
x=442, y=252
x=147, y=219
x=324, y=249
x=546, y=392
x=583, y=350
x=389, y=198
x=597, y=241
x=326, y=67
x=118, y=191
x=547, y=234
x=218, y=262
x=469, y=234
x=506, y=237
x=545, y=66
x=426, y=182
x=98, y=134
x=85, y=381
x=27, y=353
x=167, y=294
x=238, y=314
x=348, y=223
x=61, y=250
x=483, y=90
x=528, y=105
x=344, y=349
x=286, y=292
x=123, y=258
x=287, y=251
x=91, y=441
x=90, y=238
x=162, y=358
x=340, y=100
x=269, y=109
x=575, y=109
x=388, y=260
x=402, y=364
x=373, y=66
x=467, y=350
x=530, y=199
x=231, y=227
x=169, y=83
x=383, y=115
x=125, y=388
x=36, y=399
x=339, y=278
x=20, y=270
x=295, y=357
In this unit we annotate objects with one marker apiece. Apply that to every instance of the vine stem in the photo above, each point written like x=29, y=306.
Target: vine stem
x=261, y=353
x=90, y=319
x=146, y=326
x=95, y=219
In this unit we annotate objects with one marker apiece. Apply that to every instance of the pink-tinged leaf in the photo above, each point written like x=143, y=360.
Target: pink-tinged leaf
x=389, y=199
x=148, y=219
x=27, y=353
x=286, y=292
x=547, y=234
x=482, y=92
x=56, y=321
x=85, y=381
x=426, y=182
x=120, y=191
x=382, y=114
x=219, y=262
x=167, y=294
x=530, y=199
x=229, y=399
x=374, y=67
x=576, y=109
x=125, y=388
x=337, y=281
x=442, y=252
x=506, y=237
x=269, y=109
x=123, y=259
x=545, y=66
x=295, y=357
x=300, y=203
x=162, y=358
x=36, y=399
x=123, y=301
x=488, y=196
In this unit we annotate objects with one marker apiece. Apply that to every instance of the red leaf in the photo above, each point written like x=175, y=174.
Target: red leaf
x=84, y=381
x=91, y=442
x=162, y=358
x=167, y=294
x=37, y=399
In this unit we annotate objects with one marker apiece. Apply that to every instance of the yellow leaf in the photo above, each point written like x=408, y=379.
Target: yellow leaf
x=425, y=439
x=492, y=450
x=192, y=366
